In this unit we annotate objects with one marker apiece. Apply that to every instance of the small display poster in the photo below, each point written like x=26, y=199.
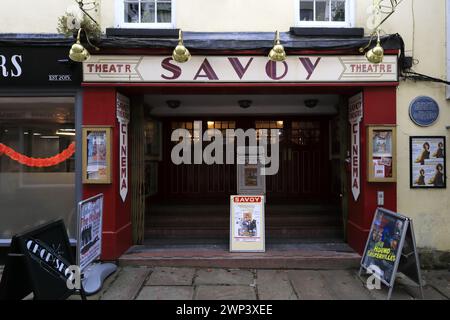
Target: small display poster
x=427, y=162
x=90, y=213
x=382, y=248
x=247, y=228
x=250, y=180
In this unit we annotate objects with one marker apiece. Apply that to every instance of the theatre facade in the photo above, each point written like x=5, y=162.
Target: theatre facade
x=322, y=101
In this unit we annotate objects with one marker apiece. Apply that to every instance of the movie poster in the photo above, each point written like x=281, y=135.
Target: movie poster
x=428, y=162
x=383, y=244
x=89, y=230
x=96, y=155
x=247, y=223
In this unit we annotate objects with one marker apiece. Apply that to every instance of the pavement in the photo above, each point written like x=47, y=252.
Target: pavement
x=169, y=283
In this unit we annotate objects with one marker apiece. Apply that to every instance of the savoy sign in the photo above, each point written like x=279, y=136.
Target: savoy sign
x=238, y=69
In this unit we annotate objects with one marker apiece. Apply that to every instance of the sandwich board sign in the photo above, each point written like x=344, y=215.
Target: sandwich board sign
x=391, y=248
x=89, y=249
x=40, y=261
x=247, y=225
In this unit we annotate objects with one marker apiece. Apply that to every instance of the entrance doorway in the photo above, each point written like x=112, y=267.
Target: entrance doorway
x=190, y=202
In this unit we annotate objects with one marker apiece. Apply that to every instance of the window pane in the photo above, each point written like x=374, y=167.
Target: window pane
x=306, y=10
x=322, y=10
x=37, y=127
x=164, y=11
x=147, y=11
x=131, y=12
x=338, y=11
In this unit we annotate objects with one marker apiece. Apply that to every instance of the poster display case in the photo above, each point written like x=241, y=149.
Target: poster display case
x=381, y=157
x=96, y=155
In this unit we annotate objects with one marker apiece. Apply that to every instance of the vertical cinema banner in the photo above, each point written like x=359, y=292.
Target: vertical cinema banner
x=355, y=115
x=123, y=117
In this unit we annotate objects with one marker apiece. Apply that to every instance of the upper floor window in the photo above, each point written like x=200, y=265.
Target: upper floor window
x=324, y=13
x=144, y=13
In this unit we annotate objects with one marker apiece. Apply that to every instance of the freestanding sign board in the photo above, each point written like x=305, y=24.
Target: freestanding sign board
x=391, y=248
x=247, y=223
x=39, y=262
x=89, y=249
x=90, y=213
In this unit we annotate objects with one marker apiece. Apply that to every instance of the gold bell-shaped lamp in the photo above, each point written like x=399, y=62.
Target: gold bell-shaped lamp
x=78, y=52
x=277, y=53
x=181, y=53
x=376, y=54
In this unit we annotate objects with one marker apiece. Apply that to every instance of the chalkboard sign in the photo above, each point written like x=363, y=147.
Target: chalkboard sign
x=38, y=263
x=424, y=111
x=391, y=248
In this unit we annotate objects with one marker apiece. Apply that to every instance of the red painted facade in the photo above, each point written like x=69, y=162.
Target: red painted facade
x=379, y=104
x=99, y=109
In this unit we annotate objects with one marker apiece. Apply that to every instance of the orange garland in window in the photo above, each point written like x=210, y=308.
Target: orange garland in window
x=38, y=162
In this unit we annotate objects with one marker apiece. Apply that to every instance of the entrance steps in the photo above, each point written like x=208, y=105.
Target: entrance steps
x=212, y=221
x=318, y=256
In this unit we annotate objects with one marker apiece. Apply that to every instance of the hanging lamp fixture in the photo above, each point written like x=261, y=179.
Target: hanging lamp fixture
x=181, y=54
x=277, y=53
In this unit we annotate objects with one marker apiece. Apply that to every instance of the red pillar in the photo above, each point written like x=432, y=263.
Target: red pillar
x=99, y=109
x=379, y=105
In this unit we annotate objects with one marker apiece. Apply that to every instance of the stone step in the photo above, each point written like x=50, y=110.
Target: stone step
x=217, y=221
x=309, y=256
x=331, y=232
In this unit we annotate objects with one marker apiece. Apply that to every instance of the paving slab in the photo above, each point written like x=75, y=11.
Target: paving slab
x=166, y=293
x=215, y=292
x=345, y=285
x=106, y=285
x=309, y=285
x=171, y=277
x=429, y=293
x=224, y=276
x=127, y=284
x=274, y=285
x=439, y=280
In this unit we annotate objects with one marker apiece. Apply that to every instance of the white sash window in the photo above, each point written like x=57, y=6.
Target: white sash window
x=145, y=13
x=324, y=13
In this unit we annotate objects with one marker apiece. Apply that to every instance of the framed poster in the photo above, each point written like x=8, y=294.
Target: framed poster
x=153, y=143
x=96, y=155
x=90, y=213
x=427, y=162
x=247, y=223
x=249, y=177
x=381, y=157
x=386, y=237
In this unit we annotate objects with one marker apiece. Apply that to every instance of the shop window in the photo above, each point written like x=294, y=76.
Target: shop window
x=305, y=133
x=145, y=13
x=324, y=13
x=39, y=128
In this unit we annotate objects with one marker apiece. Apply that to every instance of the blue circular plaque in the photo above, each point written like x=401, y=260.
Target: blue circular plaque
x=423, y=111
